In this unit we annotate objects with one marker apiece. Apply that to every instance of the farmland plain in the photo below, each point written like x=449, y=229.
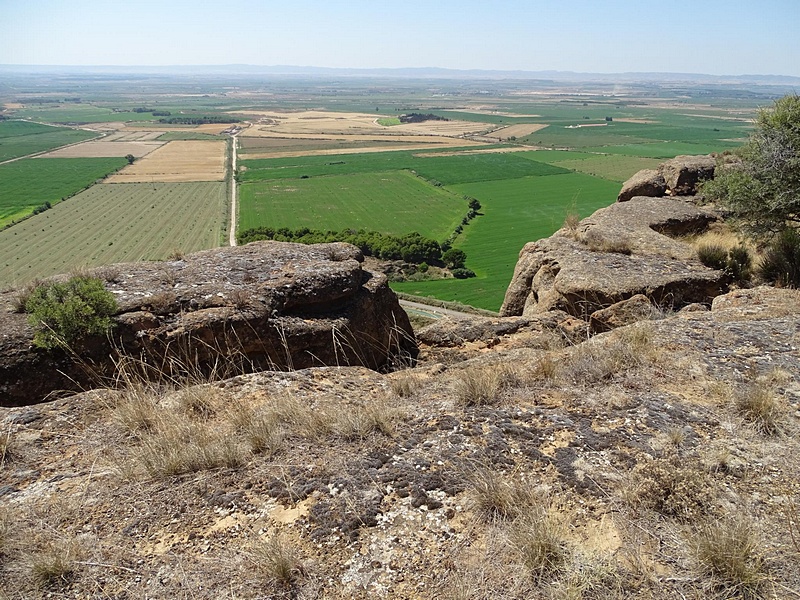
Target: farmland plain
x=19, y=138
x=31, y=182
x=333, y=154
x=178, y=161
x=114, y=223
x=396, y=202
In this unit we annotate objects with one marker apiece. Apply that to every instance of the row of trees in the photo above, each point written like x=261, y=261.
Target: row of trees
x=411, y=248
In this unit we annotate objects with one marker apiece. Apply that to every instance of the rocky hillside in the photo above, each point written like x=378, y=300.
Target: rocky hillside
x=526, y=456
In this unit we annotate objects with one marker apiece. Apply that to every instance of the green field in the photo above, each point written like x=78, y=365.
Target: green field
x=389, y=121
x=114, y=223
x=395, y=203
x=79, y=113
x=515, y=212
x=444, y=169
x=614, y=167
x=20, y=138
x=31, y=182
x=170, y=136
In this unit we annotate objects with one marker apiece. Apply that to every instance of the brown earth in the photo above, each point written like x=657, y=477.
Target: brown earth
x=177, y=161
x=97, y=149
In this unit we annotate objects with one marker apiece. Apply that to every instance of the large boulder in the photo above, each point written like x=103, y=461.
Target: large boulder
x=618, y=252
x=683, y=173
x=647, y=182
x=266, y=305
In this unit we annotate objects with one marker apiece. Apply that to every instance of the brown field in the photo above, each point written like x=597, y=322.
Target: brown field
x=132, y=136
x=314, y=122
x=516, y=131
x=13, y=105
x=206, y=128
x=177, y=161
x=101, y=148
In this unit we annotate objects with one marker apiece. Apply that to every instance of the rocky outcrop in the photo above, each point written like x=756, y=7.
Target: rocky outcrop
x=625, y=312
x=264, y=305
x=647, y=182
x=677, y=177
x=618, y=252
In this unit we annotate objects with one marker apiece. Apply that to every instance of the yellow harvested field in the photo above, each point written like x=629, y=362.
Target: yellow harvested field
x=313, y=122
x=101, y=148
x=13, y=105
x=177, y=161
x=516, y=131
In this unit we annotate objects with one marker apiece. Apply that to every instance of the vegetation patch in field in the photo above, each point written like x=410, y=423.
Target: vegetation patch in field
x=614, y=167
x=171, y=136
x=30, y=183
x=20, y=138
x=516, y=211
x=395, y=203
x=111, y=223
x=389, y=121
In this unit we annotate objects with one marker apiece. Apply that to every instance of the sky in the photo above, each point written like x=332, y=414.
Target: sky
x=716, y=37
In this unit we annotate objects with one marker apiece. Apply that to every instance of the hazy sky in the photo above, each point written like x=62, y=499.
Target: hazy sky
x=720, y=37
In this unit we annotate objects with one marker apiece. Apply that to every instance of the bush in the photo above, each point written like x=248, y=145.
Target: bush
x=713, y=256
x=781, y=262
x=463, y=273
x=740, y=263
x=62, y=313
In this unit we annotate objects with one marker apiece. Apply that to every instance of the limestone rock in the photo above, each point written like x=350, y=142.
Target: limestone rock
x=264, y=305
x=683, y=173
x=618, y=252
x=624, y=312
x=647, y=182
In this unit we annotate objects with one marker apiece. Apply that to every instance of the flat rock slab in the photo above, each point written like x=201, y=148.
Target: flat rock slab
x=263, y=305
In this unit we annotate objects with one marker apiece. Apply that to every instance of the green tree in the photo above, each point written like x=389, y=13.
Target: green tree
x=454, y=258
x=762, y=190
x=130, y=158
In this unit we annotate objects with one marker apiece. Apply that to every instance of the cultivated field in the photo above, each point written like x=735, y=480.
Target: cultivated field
x=178, y=161
x=20, y=138
x=132, y=136
x=114, y=223
x=98, y=149
x=515, y=211
x=31, y=182
x=614, y=167
x=396, y=202
x=515, y=131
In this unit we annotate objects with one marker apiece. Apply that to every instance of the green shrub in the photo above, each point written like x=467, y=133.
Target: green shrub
x=781, y=262
x=463, y=273
x=713, y=256
x=740, y=263
x=62, y=313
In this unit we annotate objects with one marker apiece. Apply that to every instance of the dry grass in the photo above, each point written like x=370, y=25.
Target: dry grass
x=277, y=560
x=177, y=161
x=728, y=550
x=672, y=487
x=8, y=447
x=53, y=567
x=495, y=496
x=539, y=541
x=404, y=384
x=595, y=242
x=759, y=405
x=482, y=386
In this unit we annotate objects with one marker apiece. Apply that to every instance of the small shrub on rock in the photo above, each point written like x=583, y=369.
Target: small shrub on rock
x=713, y=256
x=62, y=313
x=781, y=262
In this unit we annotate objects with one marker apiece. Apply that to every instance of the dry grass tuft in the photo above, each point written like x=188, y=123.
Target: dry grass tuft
x=360, y=421
x=495, y=496
x=539, y=541
x=404, y=384
x=728, y=551
x=53, y=567
x=20, y=298
x=278, y=560
x=482, y=386
x=670, y=487
x=595, y=242
x=758, y=405
x=8, y=447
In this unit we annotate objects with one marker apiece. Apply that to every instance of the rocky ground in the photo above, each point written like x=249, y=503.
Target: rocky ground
x=658, y=460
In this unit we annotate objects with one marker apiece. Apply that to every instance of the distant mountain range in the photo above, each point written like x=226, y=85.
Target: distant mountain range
x=405, y=73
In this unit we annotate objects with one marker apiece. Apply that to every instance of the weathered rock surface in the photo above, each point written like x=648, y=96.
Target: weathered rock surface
x=618, y=252
x=625, y=312
x=263, y=305
x=647, y=182
x=683, y=173
x=677, y=177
